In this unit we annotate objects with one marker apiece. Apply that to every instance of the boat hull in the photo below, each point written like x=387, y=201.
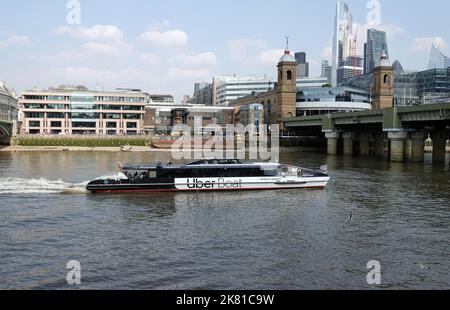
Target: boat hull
x=206, y=184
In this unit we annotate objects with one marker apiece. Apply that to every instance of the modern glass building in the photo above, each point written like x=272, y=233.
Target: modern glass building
x=323, y=100
x=230, y=88
x=434, y=81
x=302, y=65
x=437, y=59
x=344, y=40
x=326, y=70
x=81, y=111
x=374, y=48
x=350, y=67
x=160, y=99
x=410, y=88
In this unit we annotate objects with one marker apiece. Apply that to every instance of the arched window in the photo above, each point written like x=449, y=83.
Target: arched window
x=289, y=75
x=387, y=79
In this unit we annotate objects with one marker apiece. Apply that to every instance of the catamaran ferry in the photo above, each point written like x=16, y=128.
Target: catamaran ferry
x=210, y=175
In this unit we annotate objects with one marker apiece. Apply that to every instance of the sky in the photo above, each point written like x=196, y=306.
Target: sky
x=166, y=46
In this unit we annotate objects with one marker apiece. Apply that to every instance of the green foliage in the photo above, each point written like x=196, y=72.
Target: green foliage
x=79, y=141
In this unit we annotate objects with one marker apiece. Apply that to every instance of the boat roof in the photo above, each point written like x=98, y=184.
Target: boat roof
x=212, y=163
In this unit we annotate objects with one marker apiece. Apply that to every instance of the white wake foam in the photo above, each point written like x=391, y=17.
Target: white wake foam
x=39, y=186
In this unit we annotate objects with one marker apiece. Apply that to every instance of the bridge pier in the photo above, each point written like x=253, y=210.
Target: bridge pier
x=348, y=143
x=332, y=141
x=397, y=145
x=379, y=144
x=408, y=149
x=364, y=144
x=439, y=145
x=417, y=147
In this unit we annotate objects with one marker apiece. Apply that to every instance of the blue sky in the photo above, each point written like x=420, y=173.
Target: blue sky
x=166, y=46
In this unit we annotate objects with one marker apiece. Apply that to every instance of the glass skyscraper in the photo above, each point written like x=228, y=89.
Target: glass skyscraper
x=373, y=49
x=437, y=59
x=344, y=40
x=302, y=65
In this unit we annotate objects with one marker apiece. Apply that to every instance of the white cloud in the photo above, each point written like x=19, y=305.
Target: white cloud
x=110, y=79
x=179, y=74
x=149, y=59
x=165, y=39
x=21, y=41
x=95, y=49
x=97, y=32
x=423, y=44
x=269, y=57
x=254, y=53
x=241, y=49
x=158, y=25
x=200, y=60
x=103, y=41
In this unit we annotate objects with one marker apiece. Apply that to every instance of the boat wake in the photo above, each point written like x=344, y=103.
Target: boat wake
x=39, y=186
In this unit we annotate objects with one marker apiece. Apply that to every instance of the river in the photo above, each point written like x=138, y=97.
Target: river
x=286, y=239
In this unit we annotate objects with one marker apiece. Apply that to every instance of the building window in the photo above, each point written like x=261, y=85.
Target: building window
x=34, y=124
x=387, y=79
x=289, y=75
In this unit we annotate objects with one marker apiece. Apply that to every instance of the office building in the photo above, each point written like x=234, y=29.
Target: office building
x=324, y=100
x=374, y=48
x=350, y=67
x=158, y=117
x=344, y=47
x=326, y=70
x=312, y=82
x=437, y=59
x=203, y=94
x=160, y=99
x=302, y=65
x=77, y=110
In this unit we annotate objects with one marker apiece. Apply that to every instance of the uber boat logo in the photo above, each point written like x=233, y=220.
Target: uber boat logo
x=196, y=183
x=74, y=275
x=374, y=276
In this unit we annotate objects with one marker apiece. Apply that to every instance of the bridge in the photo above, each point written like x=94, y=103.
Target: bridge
x=8, y=114
x=6, y=130
x=401, y=131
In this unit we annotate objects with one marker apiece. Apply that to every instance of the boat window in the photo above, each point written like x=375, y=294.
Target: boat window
x=270, y=173
x=152, y=174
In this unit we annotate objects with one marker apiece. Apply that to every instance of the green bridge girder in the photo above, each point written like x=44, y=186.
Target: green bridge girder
x=392, y=119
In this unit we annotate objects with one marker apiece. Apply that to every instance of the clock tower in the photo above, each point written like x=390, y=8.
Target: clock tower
x=286, y=104
x=383, y=88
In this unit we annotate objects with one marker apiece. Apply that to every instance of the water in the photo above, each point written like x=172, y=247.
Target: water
x=288, y=239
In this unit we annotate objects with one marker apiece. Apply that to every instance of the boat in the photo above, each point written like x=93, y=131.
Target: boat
x=209, y=175
x=163, y=144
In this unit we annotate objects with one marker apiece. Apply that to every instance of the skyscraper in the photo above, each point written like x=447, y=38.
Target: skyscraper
x=326, y=70
x=374, y=48
x=344, y=41
x=437, y=59
x=302, y=65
